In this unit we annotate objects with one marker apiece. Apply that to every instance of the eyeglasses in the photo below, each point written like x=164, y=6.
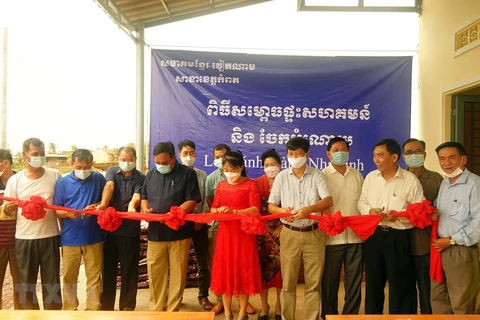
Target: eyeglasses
x=410, y=152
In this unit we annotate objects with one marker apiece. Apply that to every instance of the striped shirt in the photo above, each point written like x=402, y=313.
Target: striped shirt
x=346, y=189
x=7, y=227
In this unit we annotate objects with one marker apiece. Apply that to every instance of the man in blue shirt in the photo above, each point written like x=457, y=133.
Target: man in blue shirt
x=458, y=206
x=81, y=235
x=122, y=192
x=168, y=184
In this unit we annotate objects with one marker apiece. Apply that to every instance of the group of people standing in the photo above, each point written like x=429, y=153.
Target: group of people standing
x=232, y=263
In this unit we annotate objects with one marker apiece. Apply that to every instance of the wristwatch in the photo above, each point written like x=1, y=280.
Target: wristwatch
x=452, y=241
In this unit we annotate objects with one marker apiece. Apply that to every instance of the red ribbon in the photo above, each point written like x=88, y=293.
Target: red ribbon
x=436, y=270
x=252, y=223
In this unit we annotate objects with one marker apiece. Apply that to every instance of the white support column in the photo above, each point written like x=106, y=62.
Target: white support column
x=140, y=114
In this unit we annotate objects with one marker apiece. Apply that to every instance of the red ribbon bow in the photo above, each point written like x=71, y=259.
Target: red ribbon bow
x=34, y=209
x=175, y=218
x=109, y=219
x=251, y=223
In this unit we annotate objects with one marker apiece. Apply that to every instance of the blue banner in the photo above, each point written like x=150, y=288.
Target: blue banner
x=257, y=102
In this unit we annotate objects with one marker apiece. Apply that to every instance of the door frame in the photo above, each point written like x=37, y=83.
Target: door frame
x=446, y=102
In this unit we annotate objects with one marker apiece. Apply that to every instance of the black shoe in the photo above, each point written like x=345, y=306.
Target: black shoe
x=260, y=317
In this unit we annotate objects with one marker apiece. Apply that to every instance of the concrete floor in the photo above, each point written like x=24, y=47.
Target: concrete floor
x=190, y=302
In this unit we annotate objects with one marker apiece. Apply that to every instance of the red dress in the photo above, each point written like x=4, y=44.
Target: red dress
x=268, y=245
x=236, y=268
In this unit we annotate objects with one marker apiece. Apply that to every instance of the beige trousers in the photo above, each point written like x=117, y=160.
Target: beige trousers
x=93, y=261
x=458, y=293
x=297, y=247
x=167, y=271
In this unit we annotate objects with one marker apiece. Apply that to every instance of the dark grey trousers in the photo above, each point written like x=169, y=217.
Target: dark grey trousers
x=43, y=254
x=351, y=257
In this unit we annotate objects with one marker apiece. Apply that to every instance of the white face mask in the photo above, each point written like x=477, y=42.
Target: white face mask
x=83, y=174
x=218, y=163
x=297, y=162
x=37, y=162
x=232, y=176
x=271, y=171
x=126, y=166
x=455, y=173
x=188, y=160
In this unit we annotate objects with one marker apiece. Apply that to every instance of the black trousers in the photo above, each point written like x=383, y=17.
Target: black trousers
x=200, y=244
x=422, y=275
x=32, y=255
x=388, y=258
x=351, y=256
x=127, y=251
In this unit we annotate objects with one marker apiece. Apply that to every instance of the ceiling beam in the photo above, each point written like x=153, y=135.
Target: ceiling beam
x=166, y=8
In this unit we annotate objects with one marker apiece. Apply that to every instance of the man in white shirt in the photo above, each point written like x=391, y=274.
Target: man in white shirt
x=388, y=254
x=345, y=184
x=36, y=242
x=300, y=190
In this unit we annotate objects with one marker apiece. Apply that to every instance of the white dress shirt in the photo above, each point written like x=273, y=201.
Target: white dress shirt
x=395, y=194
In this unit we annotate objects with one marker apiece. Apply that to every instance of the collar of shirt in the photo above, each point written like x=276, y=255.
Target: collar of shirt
x=461, y=180
x=398, y=174
x=330, y=169
x=308, y=170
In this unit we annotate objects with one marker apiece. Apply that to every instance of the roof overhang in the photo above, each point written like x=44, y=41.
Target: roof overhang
x=128, y=14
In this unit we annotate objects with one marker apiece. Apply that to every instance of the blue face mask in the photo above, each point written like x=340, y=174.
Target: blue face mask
x=415, y=160
x=163, y=168
x=340, y=158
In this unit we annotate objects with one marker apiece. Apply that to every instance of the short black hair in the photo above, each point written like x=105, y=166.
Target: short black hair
x=452, y=144
x=335, y=140
x=392, y=145
x=32, y=141
x=82, y=155
x=6, y=155
x=235, y=159
x=424, y=145
x=164, y=147
x=186, y=143
x=271, y=153
x=222, y=146
x=127, y=149
x=297, y=143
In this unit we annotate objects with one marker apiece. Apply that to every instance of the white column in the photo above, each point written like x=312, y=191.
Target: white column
x=140, y=114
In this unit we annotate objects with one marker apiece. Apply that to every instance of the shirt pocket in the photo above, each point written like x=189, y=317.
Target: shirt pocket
x=399, y=201
x=458, y=212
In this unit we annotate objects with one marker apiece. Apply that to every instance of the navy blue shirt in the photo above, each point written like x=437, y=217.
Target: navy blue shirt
x=166, y=190
x=125, y=188
x=75, y=193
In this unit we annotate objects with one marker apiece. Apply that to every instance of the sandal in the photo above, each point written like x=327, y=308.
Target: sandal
x=206, y=305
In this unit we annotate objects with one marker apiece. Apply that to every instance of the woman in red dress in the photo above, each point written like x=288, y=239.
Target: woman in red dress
x=236, y=268
x=269, y=244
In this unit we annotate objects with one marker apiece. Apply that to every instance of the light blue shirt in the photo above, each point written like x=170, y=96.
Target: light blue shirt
x=459, y=209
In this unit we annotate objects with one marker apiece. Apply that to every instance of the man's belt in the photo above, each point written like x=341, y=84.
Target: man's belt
x=301, y=229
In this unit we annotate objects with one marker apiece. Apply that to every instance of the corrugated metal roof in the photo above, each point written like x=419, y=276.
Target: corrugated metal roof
x=157, y=12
